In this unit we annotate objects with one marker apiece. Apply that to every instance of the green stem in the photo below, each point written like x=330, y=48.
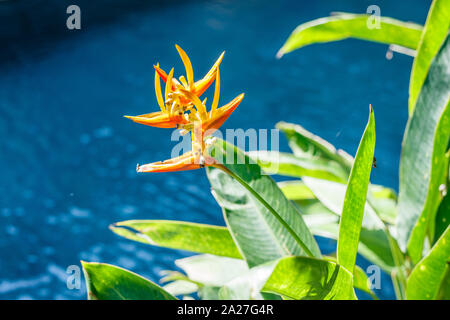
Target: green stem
x=399, y=263
x=268, y=207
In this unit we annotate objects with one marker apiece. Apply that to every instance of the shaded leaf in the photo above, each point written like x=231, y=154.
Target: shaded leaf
x=248, y=285
x=423, y=163
x=264, y=224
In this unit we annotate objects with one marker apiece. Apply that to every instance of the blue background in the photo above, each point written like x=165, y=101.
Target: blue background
x=68, y=157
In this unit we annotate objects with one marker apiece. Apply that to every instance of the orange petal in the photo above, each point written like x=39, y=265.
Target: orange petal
x=181, y=163
x=154, y=119
x=164, y=76
x=221, y=115
x=200, y=86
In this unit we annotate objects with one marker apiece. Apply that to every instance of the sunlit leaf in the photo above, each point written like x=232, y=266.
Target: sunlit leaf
x=355, y=198
x=434, y=33
x=195, y=237
x=347, y=25
x=426, y=278
x=304, y=278
x=374, y=243
x=286, y=164
x=211, y=270
x=108, y=282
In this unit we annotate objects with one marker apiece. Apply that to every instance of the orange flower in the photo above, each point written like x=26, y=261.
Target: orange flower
x=172, y=114
x=212, y=120
x=181, y=97
x=197, y=88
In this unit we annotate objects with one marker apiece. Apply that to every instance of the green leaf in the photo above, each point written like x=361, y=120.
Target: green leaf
x=423, y=163
x=442, y=220
x=211, y=270
x=108, y=282
x=374, y=242
x=425, y=280
x=207, y=273
x=355, y=198
x=181, y=288
x=264, y=224
x=360, y=279
x=295, y=190
x=442, y=217
x=248, y=285
x=349, y=25
x=274, y=162
x=307, y=145
x=195, y=237
x=444, y=291
x=384, y=202
x=304, y=278
x=433, y=35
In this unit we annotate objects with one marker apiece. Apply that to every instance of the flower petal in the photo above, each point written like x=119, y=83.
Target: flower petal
x=216, y=95
x=154, y=119
x=221, y=115
x=159, y=96
x=187, y=66
x=201, y=85
x=181, y=163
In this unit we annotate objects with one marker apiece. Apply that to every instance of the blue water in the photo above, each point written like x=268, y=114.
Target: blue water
x=67, y=157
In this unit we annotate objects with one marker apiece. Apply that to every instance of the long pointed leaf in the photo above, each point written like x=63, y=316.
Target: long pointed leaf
x=355, y=198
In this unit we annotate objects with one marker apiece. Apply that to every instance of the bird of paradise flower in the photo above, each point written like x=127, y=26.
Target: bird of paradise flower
x=182, y=108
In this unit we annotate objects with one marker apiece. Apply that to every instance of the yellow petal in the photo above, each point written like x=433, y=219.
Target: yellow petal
x=216, y=95
x=197, y=103
x=169, y=84
x=215, y=66
x=187, y=66
x=183, y=82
